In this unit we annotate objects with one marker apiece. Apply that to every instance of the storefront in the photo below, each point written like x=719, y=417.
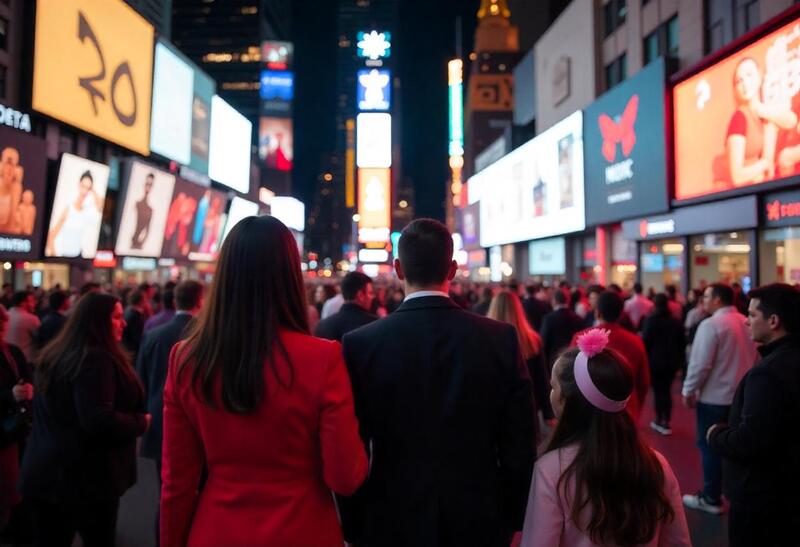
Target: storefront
x=697, y=245
x=779, y=240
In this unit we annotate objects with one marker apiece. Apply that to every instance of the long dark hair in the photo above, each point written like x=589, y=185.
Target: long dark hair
x=88, y=329
x=257, y=289
x=661, y=308
x=614, y=472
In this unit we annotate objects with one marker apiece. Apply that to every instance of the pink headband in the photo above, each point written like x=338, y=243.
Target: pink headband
x=591, y=343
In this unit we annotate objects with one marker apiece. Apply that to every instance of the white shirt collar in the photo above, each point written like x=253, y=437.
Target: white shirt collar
x=422, y=294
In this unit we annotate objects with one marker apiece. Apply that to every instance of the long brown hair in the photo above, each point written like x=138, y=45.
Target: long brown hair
x=257, y=290
x=614, y=472
x=88, y=329
x=506, y=307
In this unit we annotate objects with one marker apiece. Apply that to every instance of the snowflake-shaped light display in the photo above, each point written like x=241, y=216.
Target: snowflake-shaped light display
x=374, y=45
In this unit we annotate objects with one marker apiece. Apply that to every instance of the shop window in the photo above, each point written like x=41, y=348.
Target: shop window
x=779, y=256
x=661, y=264
x=720, y=257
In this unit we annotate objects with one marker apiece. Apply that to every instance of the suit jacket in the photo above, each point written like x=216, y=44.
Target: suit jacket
x=443, y=399
x=665, y=340
x=132, y=335
x=270, y=472
x=558, y=328
x=50, y=327
x=83, y=444
x=151, y=365
x=348, y=318
x=759, y=446
x=535, y=310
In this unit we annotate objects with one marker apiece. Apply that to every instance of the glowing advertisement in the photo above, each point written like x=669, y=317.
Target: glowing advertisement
x=194, y=222
x=171, y=122
x=277, y=55
x=77, y=208
x=276, y=143
x=535, y=191
x=374, y=204
x=290, y=211
x=374, y=89
x=736, y=122
x=144, y=213
x=229, y=154
x=240, y=210
x=374, y=140
x=23, y=170
x=93, y=67
x=455, y=91
x=547, y=257
x=374, y=45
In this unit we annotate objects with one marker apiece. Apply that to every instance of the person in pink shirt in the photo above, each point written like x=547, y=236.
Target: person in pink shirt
x=598, y=483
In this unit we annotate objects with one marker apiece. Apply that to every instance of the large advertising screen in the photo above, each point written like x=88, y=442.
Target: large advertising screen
x=374, y=140
x=204, y=90
x=194, y=222
x=374, y=89
x=229, y=157
x=547, y=257
x=276, y=143
x=277, y=55
x=92, y=68
x=276, y=92
x=171, y=123
x=23, y=168
x=374, y=204
x=736, y=122
x=240, y=210
x=535, y=191
x=77, y=208
x=144, y=213
x=625, y=149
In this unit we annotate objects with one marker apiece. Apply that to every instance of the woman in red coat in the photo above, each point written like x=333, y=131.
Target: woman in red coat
x=265, y=407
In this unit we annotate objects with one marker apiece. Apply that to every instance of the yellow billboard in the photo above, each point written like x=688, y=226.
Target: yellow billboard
x=93, y=68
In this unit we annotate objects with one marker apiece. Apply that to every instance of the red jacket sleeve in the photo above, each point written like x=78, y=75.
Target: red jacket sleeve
x=182, y=461
x=344, y=460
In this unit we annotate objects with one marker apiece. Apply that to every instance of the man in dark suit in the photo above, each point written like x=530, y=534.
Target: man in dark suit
x=153, y=361
x=535, y=306
x=559, y=326
x=58, y=304
x=358, y=295
x=759, y=444
x=444, y=405
x=135, y=316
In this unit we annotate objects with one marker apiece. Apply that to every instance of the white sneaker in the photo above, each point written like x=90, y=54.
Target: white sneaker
x=698, y=501
x=662, y=429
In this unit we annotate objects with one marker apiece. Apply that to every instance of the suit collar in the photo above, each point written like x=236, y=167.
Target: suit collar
x=427, y=302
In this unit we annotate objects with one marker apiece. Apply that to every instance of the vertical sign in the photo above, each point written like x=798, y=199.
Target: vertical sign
x=455, y=91
x=350, y=165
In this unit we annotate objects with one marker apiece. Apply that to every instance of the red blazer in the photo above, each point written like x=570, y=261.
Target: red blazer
x=270, y=473
x=632, y=348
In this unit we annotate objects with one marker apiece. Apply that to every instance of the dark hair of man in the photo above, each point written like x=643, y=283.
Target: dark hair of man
x=486, y=294
x=723, y=292
x=616, y=288
x=610, y=305
x=257, y=290
x=661, y=308
x=88, y=329
x=170, y=286
x=168, y=299
x=782, y=300
x=426, y=252
x=20, y=297
x=615, y=475
x=597, y=289
x=561, y=297
x=531, y=290
x=637, y=288
x=56, y=300
x=672, y=290
x=86, y=288
x=352, y=283
x=137, y=298
x=188, y=294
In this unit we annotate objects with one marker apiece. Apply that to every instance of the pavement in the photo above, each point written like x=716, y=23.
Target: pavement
x=138, y=506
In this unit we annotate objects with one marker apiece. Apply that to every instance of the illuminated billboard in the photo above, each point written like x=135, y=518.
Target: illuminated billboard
x=276, y=86
x=374, y=140
x=276, y=143
x=148, y=195
x=171, y=123
x=194, y=222
x=535, y=191
x=77, y=208
x=736, y=122
x=93, y=67
x=455, y=91
x=374, y=89
x=240, y=210
x=374, y=45
x=290, y=211
x=374, y=204
x=229, y=154
x=277, y=55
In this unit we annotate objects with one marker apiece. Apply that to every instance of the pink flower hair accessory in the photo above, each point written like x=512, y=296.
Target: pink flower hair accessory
x=590, y=344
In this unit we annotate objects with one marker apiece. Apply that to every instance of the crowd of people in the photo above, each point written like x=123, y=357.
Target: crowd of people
x=438, y=412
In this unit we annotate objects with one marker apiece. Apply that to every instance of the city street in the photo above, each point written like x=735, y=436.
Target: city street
x=138, y=507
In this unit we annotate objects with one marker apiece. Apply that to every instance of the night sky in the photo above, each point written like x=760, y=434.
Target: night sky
x=423, y=46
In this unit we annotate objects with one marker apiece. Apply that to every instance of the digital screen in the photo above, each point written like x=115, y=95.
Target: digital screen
x=547, y=257
x=736, y=122
x=374, y=45
x=23, y=170
x=652, y=263
x=93, y=67
x=625, y=149
x=240, y=210
x=229, y=155
x=194, y=222
x=204, y=90
x=276, y=85
x=277, y=55
x=290, y=211
x=374, y=140
x=276, y=143
x=536, y=190
x=374, y=204
x=77, y=208
x=148, y=194
x=374, y=89
x=455, y=92
x=171, y=124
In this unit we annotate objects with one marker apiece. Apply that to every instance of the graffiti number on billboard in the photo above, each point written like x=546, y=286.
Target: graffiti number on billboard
x=88, y=83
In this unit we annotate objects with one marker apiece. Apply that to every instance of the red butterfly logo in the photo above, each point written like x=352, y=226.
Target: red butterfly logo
x=621, y=132
x=774, y=210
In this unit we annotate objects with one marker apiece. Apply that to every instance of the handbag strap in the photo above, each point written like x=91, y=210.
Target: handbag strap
x=12, y=363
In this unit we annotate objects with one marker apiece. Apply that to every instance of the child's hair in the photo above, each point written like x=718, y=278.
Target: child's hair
x=614, y=472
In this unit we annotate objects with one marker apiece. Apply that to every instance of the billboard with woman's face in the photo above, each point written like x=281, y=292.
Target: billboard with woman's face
x=77, y=208
x=22, y=184
x=737, y=123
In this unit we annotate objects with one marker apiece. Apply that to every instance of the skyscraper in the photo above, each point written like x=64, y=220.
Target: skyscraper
x=158, y=12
